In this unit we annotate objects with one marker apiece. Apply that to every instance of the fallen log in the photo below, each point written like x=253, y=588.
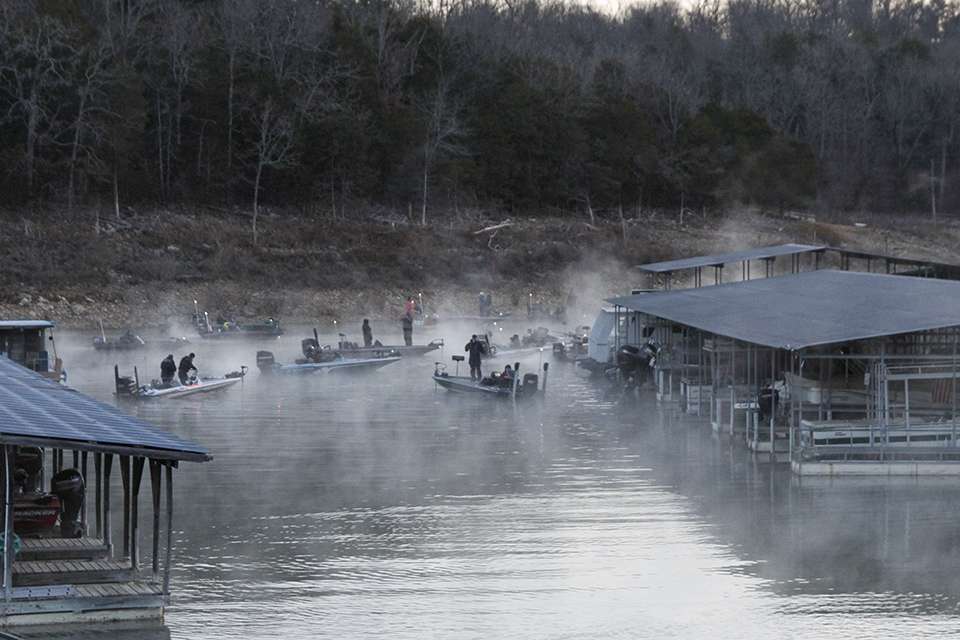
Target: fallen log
x=495, y=227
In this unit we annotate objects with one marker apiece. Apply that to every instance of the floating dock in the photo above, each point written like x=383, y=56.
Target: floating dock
x=73, y=569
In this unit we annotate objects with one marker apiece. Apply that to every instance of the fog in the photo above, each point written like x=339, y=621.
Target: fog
x=374, y=505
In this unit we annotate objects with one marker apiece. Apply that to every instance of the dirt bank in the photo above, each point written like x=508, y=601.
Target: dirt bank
x=146, y=268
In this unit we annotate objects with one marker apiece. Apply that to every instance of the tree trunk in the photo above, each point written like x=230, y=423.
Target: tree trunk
x=76, y=149
x=256, y=200
x=230, y=88
x=33, y=118
x=423, y=212
x=116, y=192
x=160, y=147
x=623, y=226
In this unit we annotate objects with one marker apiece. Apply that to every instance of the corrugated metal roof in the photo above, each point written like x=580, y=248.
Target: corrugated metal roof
x=809, y=309
x=26, y=324
x=759, y=253
x=34, y=410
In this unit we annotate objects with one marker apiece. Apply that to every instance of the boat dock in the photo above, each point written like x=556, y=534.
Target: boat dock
x=84, y=559
x=838, y=372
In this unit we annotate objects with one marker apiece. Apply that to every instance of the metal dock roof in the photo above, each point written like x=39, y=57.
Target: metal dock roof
x=809, y=309
x=37, y=411
x=25, y=324
x=759, y=253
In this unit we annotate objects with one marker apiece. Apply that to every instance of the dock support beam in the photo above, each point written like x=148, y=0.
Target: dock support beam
x=155, y=494
x=107, y=533
x=125, y=481
x=98, y=490
x=7, y=522
x=135, y=512
x=169, y=556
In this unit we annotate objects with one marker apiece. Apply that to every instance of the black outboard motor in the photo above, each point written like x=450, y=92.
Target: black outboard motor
x=28, y=467
x=765, y=402
x=309, y=346
x=531, y=382
x=68, y=486
x=265, y=361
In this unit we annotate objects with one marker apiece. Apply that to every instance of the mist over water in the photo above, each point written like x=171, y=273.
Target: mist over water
x=372, y=506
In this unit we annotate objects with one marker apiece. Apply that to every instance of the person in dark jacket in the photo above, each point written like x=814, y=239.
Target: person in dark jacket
x=168, y=369
x=477, y=350
x=407, y=328
x=186, y=366
x=367, y=333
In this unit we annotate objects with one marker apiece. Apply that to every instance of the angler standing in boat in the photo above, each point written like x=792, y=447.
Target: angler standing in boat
x=168, y=369
x=477, y=350
x=186, y=366
x=367, y=333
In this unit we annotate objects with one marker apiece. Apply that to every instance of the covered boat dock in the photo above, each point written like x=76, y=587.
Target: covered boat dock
x=802, y=257
x=844, y=372
x=65, y=564
x=766, y=255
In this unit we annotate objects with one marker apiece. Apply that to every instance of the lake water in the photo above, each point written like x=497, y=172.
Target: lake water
x=374, y=506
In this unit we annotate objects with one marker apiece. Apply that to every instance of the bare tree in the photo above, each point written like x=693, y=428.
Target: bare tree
x=274, y=149
x=444, y=133
x=31, y=74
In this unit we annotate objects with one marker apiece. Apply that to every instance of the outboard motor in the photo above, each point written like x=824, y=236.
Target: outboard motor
x=67, y=485
x=126, y=386
x=629, y=358
x=765, y=402
x=265, y=361
x=309, y=346
x=531, y=382
x=28, y=466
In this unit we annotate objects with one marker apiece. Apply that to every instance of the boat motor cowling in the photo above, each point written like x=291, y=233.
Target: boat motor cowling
x=531, y=382
x=265, y=361
x=67, y=485
x=28, y=468
x=309, y=346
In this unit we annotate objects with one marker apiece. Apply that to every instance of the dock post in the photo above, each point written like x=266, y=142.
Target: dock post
x=7, y=522
x=135, y=512
x=169, y=557
x=107, y=534
x=125, y=481
x=155, y=490
x=773, y=399
x=83, y=505
x=98, y=491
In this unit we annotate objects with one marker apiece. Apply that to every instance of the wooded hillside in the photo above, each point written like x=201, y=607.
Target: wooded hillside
x=526, y=106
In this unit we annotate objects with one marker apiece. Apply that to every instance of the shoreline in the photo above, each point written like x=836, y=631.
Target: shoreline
x=147, y=270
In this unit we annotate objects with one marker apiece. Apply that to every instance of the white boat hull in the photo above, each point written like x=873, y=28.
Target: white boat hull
x=346, y=364
x=180, y=391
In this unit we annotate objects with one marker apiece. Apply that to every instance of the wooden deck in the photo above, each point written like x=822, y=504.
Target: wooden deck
x=116, y=601
x=73, y=572
x=62, y=549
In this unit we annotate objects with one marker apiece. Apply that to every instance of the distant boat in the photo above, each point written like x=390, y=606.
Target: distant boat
x=316, y=359
x=128, y=387
x=349, y=349
x=231, y=330
x=130, y=341
x=127, y=341
x=337, y=362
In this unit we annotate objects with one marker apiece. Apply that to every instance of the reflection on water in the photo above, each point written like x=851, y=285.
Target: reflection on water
x=375, y=506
